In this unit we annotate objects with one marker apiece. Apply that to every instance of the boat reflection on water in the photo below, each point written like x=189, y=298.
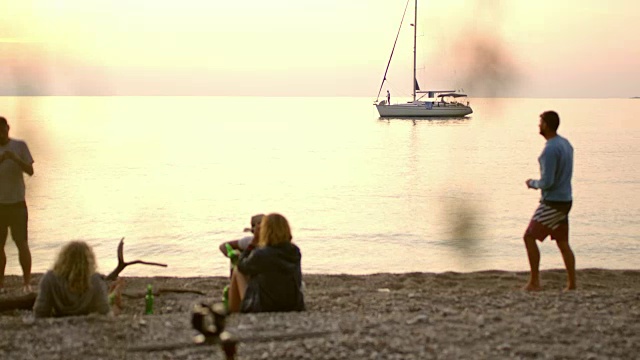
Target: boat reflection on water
x=432, y=120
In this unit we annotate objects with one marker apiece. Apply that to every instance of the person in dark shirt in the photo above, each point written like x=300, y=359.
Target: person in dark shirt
x=271, y=270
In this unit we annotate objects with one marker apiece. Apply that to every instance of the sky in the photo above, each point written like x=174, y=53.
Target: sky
x=508, y=48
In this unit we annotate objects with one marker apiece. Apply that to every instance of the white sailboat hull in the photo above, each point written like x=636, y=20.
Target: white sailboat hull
x=438, y=103
x=423, y=109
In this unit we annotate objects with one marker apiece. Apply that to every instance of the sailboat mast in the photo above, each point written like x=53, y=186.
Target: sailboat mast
x=415, y=33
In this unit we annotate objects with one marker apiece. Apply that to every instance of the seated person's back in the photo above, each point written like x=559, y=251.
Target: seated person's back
x=273, y=267
x=73, y=287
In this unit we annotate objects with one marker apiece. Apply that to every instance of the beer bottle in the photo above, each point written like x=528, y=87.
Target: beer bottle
x=148, y=300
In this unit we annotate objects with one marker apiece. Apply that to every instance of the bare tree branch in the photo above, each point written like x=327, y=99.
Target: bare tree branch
x=122, y=264
x=163, y=291
x=24, y=302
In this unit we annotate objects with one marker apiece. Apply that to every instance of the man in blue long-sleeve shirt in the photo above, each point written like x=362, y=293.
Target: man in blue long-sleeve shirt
x=552, y=215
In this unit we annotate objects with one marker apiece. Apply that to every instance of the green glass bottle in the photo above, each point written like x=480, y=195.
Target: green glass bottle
x=148, y=301
x=232, y=254
x=225, y=298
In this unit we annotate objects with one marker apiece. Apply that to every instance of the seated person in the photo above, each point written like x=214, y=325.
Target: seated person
x=73, y=287
x=269, y=276
x=242, y=244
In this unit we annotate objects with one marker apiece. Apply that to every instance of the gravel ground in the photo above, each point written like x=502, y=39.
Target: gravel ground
x=480, y=315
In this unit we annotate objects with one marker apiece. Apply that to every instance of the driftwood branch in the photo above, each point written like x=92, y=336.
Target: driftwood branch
x=161, y=291
x=24, y=302
x=122, y=264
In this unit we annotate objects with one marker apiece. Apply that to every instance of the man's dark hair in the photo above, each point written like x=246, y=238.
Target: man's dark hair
x=3, y=121
x=552, y=119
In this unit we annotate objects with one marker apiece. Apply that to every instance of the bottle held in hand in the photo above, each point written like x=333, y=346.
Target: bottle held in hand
x=232, y=254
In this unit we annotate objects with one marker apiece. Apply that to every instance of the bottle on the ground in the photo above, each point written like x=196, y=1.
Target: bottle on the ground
x=148, y=300
x=225, y=298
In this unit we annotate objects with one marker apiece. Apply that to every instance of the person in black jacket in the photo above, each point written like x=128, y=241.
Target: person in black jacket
x=271, y=269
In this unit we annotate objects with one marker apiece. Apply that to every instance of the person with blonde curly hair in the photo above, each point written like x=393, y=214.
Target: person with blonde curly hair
x=269, y=275
x=73, y=287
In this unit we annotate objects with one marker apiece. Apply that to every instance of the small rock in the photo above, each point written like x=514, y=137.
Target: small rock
x=418, y=319
x=28, y=319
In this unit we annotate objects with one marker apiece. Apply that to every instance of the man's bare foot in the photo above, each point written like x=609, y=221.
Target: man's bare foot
x=532, y=287
x=569, y=288
x=27, y=289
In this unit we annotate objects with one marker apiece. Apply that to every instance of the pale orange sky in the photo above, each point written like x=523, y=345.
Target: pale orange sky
x=543, y=48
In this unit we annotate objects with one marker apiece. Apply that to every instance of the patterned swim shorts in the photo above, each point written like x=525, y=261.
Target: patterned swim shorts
x=550, y=218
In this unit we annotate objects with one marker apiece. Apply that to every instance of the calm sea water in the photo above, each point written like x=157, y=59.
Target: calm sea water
x=176, y=176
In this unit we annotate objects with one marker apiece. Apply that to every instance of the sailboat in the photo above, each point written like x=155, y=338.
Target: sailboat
x=430, y=103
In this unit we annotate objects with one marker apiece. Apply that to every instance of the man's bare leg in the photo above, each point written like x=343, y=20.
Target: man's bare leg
x=24, y=255
x=237, y=290
x=569, y=263
x=3, y=264
x=534, y=262
x=20, y=235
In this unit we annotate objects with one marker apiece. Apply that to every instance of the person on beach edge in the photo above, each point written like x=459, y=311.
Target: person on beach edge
x=73, y=287
x=15, y=159
x=552, y=215
x=269, y=277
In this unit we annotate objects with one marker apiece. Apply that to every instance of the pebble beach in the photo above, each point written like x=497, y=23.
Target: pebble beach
x=478, y=315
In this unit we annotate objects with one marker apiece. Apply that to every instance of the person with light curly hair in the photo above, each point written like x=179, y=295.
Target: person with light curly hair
x=73, y=287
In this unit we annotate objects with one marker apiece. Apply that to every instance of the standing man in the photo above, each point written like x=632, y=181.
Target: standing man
x=15, y=159
x=388, y=98
x=552, y=216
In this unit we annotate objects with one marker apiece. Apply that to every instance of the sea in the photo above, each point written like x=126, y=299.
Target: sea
x=176, y=176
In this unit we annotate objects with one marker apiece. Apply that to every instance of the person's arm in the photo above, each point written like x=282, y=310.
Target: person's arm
x=43, y=307
x=251, y=261
x=548, y=166
x=115, y=295
x=26, y=167
x=100, y=296
x=223, y=246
